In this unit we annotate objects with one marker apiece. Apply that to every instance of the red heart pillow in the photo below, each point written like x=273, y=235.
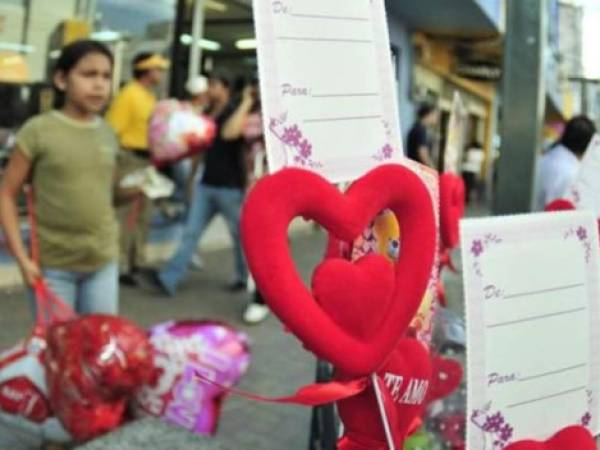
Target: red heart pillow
x=572, y=438
x=270, y=208
x=447, y=374
x=365, y=289
x=559, y=205
x=406, y=378
x=452, y=208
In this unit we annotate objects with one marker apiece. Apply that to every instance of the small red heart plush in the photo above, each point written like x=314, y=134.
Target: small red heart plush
x=363, y=289
x=446, y=377
x=406, y=377
x=452, y=208
x=571, y=438
x=559, y=205
x=274, y=203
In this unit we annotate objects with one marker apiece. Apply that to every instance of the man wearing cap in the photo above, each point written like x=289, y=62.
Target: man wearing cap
x=129, y=115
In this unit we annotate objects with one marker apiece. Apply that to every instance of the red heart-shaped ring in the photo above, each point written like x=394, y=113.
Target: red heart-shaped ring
x=278, y=199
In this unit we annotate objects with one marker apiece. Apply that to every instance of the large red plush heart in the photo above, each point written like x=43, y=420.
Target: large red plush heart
x=452, y=208
x=571, y=438
x=446, y=377
x=406, y=377
x=270, y=208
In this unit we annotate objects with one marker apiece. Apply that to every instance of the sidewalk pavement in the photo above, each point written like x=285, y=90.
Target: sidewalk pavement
x=279, y=365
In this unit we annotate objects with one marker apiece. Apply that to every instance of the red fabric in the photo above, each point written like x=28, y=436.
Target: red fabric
x=571, y=438
x=94, y=364
x=559, y=205
x=270, y=208
x=405, y=379
x=452, y=208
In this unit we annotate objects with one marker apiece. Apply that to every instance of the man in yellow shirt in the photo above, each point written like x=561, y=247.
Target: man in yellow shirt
x=129, y=115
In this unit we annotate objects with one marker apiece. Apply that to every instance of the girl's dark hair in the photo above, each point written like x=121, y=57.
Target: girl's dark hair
x=71, y=55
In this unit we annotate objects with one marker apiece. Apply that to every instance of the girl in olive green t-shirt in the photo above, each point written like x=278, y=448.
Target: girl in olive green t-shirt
x=69, y=156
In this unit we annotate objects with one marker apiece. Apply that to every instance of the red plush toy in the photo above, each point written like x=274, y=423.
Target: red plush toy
x=344, y=327
x=405, y=385
x=572, y=438
x=559, y=205
x=94, y=365
x=452, y=208
x=447, y=374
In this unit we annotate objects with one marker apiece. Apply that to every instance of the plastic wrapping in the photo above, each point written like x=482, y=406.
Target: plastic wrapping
x=178, y=131
x=182, y=351
x=95, y=364
x=24, y=401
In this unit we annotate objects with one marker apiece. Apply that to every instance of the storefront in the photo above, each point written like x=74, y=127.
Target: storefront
x=436, y=80
x=196, y=35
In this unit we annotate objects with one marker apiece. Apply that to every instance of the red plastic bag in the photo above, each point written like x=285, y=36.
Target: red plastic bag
x=95, y=365
x=24, y=399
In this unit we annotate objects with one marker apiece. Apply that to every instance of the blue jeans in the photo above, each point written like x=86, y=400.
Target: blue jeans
x=88, y=293
x=181, y=176
x=208, y=201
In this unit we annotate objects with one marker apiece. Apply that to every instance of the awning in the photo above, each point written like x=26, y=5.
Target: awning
x=458, y=18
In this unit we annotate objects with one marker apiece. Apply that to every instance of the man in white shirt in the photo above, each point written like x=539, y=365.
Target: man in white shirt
x=559, y=167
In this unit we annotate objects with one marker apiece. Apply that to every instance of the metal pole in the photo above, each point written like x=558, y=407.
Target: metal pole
x=197, y=35
x=585, y=97
x=523, y=106
x=119, y=51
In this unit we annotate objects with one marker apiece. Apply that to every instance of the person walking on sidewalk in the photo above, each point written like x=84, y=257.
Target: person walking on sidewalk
x=221, y=189
x=559, y=167
x=420, y=143
x=69, y=154
x=129, y=115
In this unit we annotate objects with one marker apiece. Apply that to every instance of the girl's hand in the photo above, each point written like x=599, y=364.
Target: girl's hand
x=30, y=271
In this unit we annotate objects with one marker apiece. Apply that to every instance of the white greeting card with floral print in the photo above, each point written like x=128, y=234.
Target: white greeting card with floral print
x=328, y=91
x=533, y=326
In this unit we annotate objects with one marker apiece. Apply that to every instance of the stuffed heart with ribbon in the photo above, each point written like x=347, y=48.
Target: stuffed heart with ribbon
x=452, y=208
x=404, y=382
x=344, y=289
x=571, y=438
x=447, y=374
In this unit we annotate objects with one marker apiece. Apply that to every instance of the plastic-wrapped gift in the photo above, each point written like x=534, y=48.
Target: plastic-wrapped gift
x=177, y=131
x=183, y=351
x=94, y=366
x=24, y=401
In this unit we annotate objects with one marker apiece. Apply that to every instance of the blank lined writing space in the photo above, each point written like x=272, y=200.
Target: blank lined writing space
x=342, y=119
x=329, y=17
x=554, y=372
x=346, y=95
x=548, y=397
x=545, y=291
x=324, y=39
x=538, y=317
